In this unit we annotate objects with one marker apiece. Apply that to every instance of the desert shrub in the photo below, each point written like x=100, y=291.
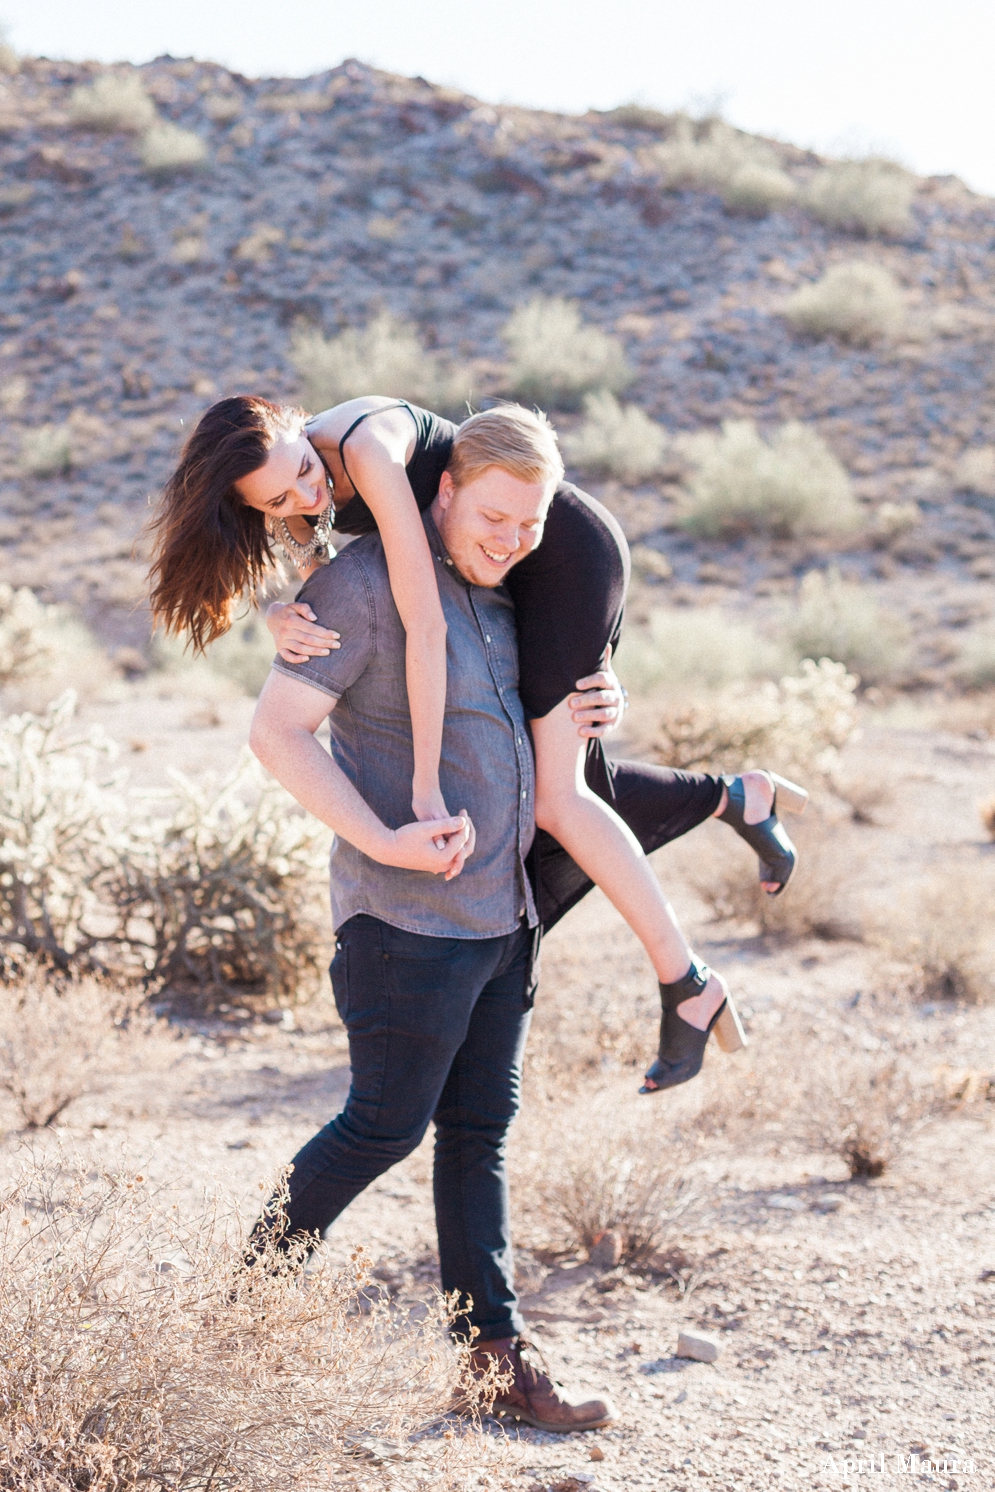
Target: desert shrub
x=229, y=883
x=787, y=486
x=819, y=901
x=386, y=356
x=975, y=664
x=13, y=197
x=133, y=1357
x=56, y=1040
x=639, y=117
x=257, y=247
x=242, y=657
x=742, y=169
x=799, y=724
x=871, y=196
x=305, y=101
x=616, y=440
x=26, y=642
x=47, y=451
x=976, y=471
x=222, y=108
x=10, y=63
x=215, y=890
x=838, y=618
x=113, y=101
x=604, y=1165
x=555, y=359
x=864, y=1107
x=167, y=150
x=703, y=647
x=945, y=938
x=856, y=302
x=893, y=521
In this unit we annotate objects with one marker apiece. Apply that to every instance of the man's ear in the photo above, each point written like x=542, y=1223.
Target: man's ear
x=447, y=488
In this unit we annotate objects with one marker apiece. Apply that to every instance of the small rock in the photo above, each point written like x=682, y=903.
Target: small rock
x=829, y=1202
x=606, y=1252
x=373, y=1448
x=596, y=1453
x=698, y=1345
x=786, y=1204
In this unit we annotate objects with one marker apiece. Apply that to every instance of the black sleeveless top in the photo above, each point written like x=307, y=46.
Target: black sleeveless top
x=568, y=593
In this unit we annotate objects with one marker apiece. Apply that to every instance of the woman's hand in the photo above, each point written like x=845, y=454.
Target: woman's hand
x=416, y=846
x=296, y=632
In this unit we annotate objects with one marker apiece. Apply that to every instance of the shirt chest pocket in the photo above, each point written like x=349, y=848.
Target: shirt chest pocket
x=501, y=642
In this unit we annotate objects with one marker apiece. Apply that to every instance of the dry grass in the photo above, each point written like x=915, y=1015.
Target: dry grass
x=134, y=1355
x=555, y=358
x=856, y=302
x=167, y=150
x=58, y=1040
x=836, y=618
x=115, y=101
x=871, y=197
x=787, y=486
x=388, y=357
x=616, y=440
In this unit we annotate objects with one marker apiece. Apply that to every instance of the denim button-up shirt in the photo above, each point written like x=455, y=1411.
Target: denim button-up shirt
x=486, y=765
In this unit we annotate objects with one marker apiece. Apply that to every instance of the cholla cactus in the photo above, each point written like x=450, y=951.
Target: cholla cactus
x=25, y=633
x=799, y=724
x=228, y=882
x=58, y=834
x=213, y=890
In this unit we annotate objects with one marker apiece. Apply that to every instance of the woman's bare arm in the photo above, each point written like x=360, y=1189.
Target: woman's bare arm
x=376, y=455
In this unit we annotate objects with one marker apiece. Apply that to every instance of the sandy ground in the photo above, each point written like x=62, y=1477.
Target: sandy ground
x=854, y=1318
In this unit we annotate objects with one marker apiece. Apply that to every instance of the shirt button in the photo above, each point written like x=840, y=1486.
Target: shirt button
x=487, y=639
x=524, y=793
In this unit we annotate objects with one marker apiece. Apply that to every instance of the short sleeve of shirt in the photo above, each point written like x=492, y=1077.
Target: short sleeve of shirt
x=341, y=598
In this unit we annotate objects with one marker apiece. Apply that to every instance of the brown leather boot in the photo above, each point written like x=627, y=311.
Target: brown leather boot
x=532, y=1395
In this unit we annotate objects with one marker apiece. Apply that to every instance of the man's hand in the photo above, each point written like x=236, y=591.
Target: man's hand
x=601, y=704
x=415, y=846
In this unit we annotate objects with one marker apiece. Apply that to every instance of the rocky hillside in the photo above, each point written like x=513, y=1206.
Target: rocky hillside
x=136, y=289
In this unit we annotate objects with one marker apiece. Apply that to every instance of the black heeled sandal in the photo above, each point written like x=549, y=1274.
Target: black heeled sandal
x=778, y=856
x=682, y=1046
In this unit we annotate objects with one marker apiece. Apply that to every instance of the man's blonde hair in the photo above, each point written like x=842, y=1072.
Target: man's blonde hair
x=520, y=441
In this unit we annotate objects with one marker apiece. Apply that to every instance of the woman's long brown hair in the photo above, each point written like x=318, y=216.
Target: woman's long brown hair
x=209, y=547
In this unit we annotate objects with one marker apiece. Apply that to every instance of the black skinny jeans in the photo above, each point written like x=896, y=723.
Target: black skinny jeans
x=437, y=1030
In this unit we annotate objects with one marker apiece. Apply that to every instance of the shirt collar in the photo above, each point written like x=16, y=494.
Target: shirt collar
x=439, y=550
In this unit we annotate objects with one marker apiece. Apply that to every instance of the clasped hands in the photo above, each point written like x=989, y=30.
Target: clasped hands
x=442, y=845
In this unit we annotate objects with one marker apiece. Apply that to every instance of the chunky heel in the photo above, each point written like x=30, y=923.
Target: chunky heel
x=729, y=1031
x=788, y=795
x=682, y=1046
x=768, y=839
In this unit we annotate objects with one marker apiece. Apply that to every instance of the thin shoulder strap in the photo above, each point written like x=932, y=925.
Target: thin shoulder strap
x=401, y=404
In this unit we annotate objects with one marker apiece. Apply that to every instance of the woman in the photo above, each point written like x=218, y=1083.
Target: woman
x=252, y=469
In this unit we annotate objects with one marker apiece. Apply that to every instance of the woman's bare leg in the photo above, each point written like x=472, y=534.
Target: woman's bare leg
x=606, y=849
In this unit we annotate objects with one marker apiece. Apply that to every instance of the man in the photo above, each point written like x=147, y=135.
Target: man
x=435, y=922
